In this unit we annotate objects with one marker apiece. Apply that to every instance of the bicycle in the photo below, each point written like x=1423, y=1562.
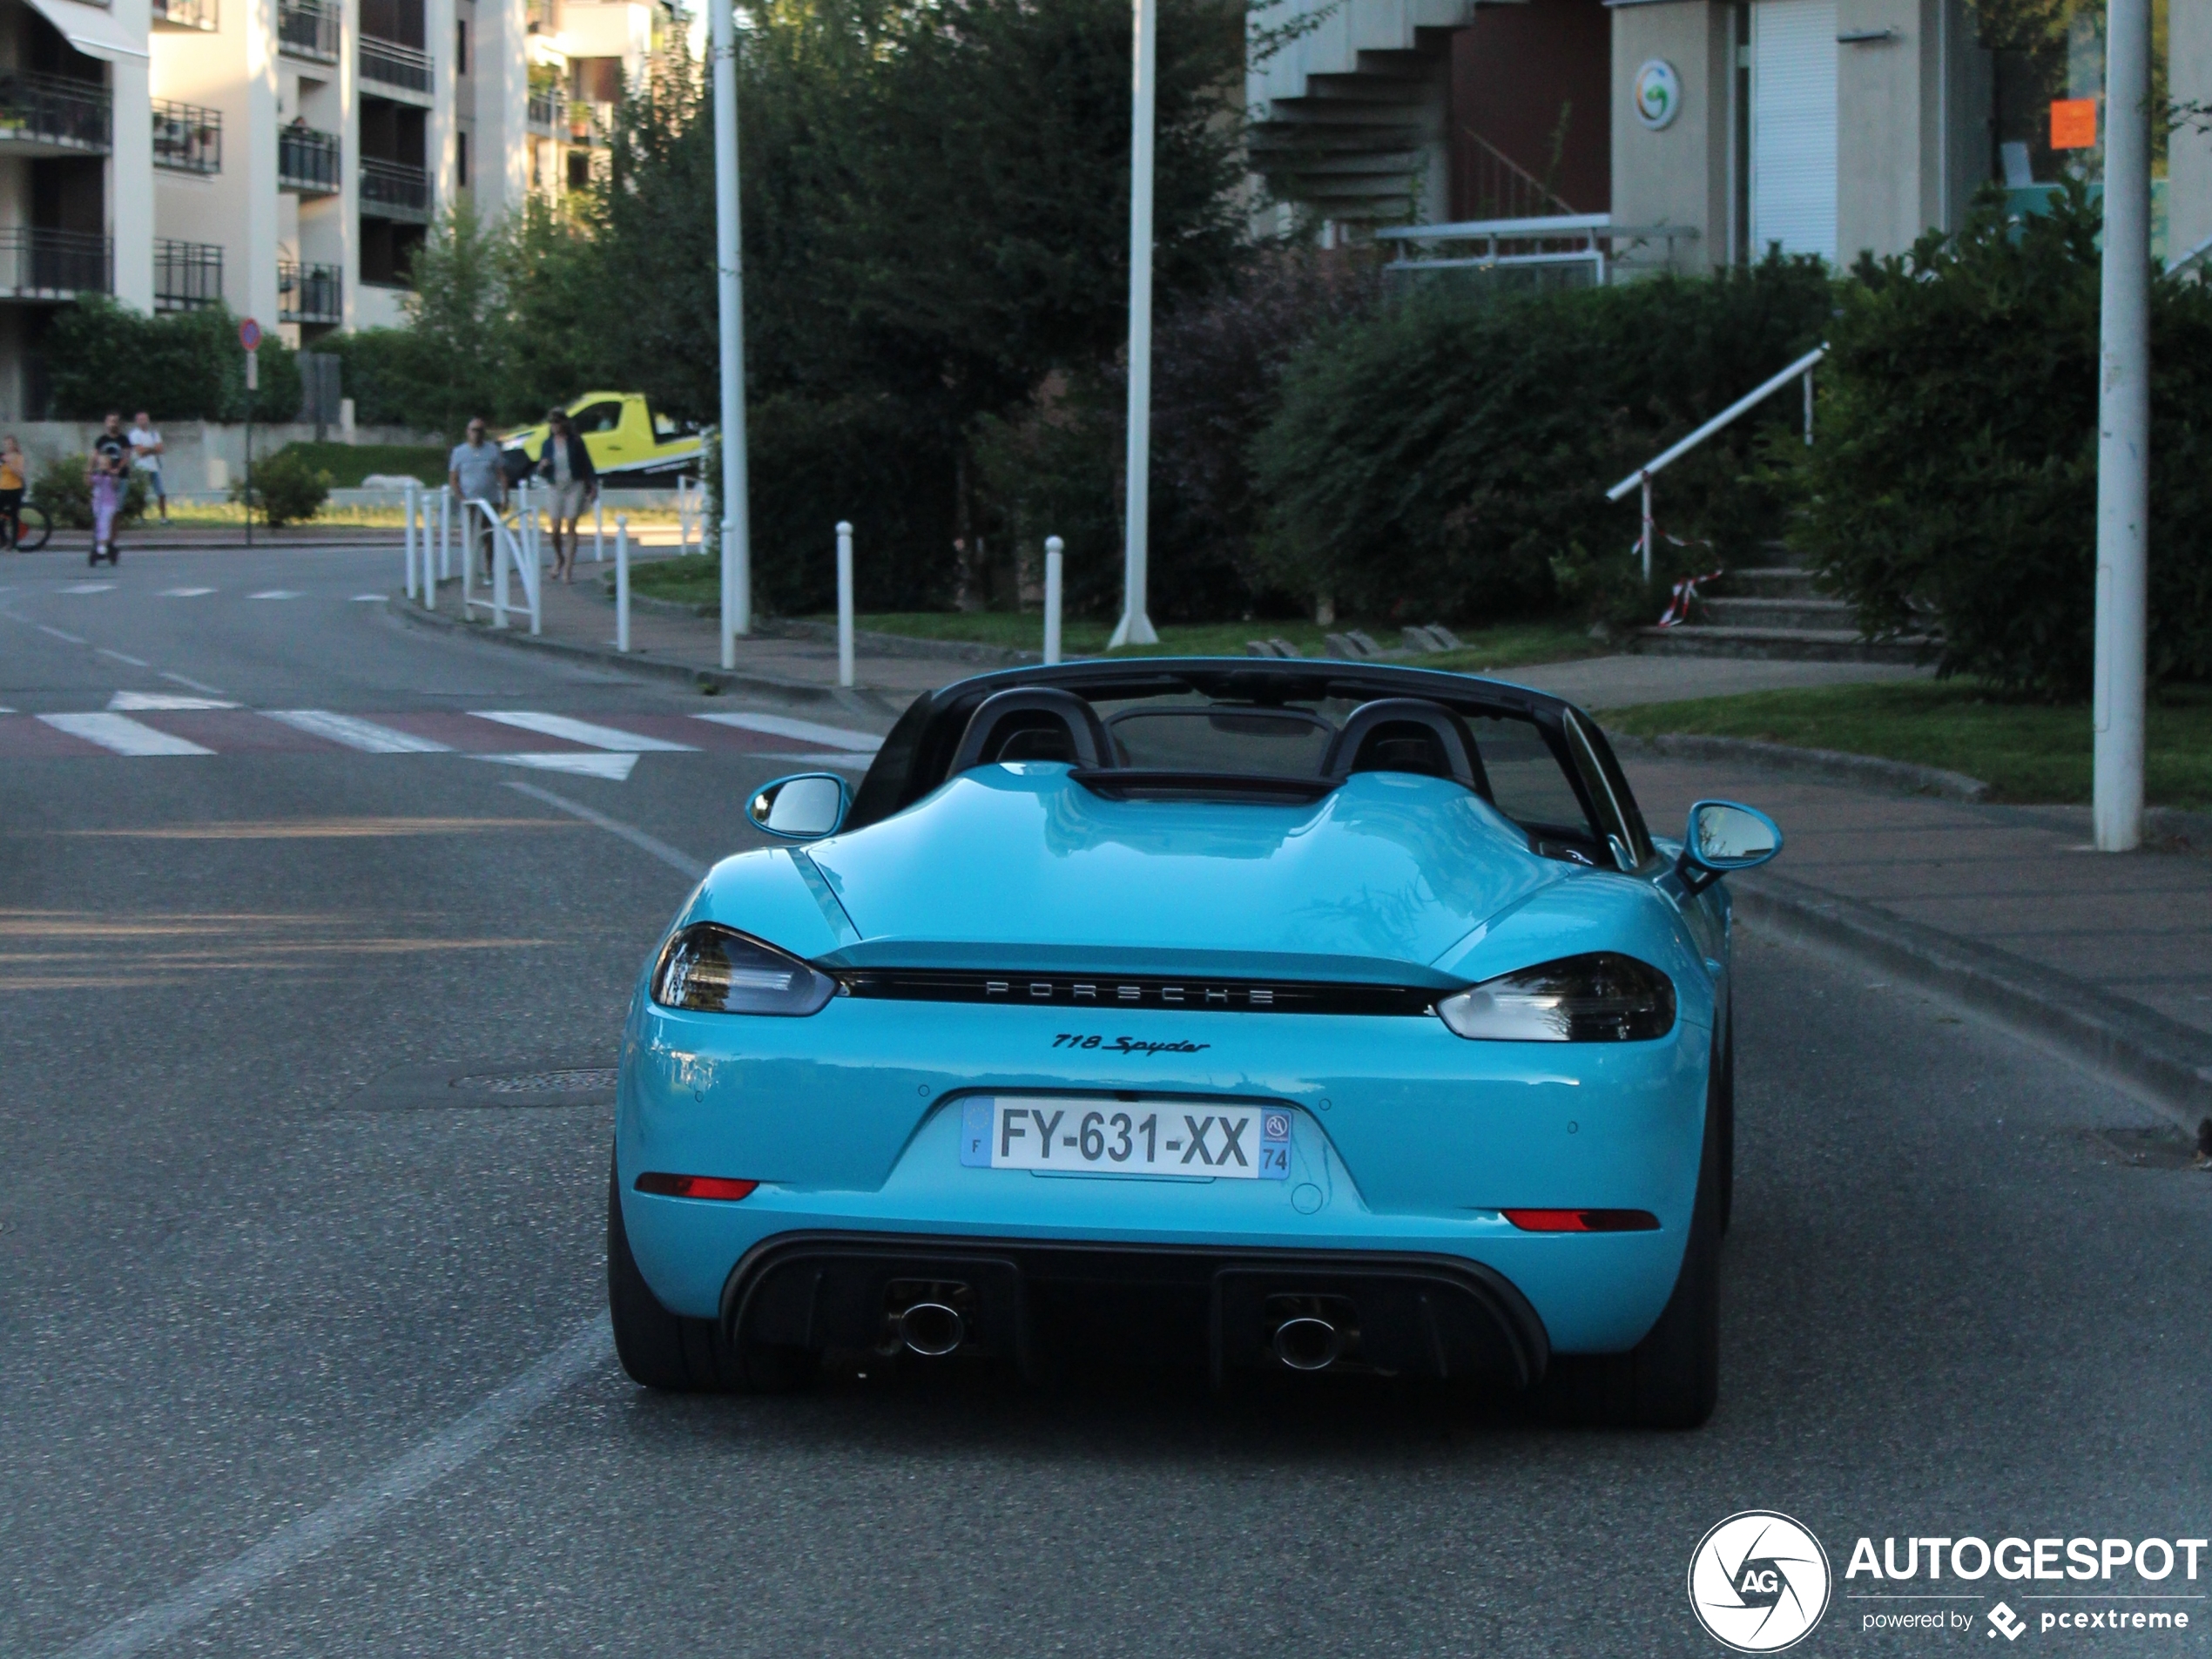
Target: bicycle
x=26, y=530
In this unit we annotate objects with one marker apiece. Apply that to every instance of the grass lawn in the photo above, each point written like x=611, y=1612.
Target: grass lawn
x=348, y=463
x=695, y=581
x=2024, y=751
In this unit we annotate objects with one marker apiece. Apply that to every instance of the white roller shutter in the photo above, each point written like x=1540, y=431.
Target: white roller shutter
x=1793, y=126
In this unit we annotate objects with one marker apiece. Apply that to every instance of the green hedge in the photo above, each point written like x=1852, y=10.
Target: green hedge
x=1448, y=456
x=1954, y=480
x=181, y=366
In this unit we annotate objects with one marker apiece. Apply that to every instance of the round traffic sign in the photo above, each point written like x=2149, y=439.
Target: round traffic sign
x=249, y=334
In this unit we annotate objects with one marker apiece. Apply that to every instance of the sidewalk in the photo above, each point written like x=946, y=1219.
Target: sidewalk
x=2005, y=908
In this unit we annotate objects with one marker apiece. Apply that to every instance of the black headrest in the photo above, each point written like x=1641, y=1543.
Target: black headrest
x=1034, y=722
x=1406, y=734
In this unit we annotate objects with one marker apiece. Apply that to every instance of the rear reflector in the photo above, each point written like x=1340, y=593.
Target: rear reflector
x=1582, y=1220
x=695, y=1186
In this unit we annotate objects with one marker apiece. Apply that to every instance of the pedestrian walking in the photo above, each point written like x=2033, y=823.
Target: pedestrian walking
x=13, y=471
x=145, y=458
x=565, y=463
x=106, y=470
x=473, y=472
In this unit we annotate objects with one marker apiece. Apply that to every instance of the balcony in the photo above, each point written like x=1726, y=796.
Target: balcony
x=389, y=64
x=186, y=14
x=187, y=276
x=54, y=115
x=308, y=161
x=187, y=139
x=394, y=190
x=306, y=29
x=545, y=111
x=310, y=293
x=55, y=265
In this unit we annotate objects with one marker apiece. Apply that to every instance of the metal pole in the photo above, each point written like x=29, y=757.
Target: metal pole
x=736, y=546
x=467, y=559
x=622, y=582
x=598, y=531
x=445, y=533
x=1646, y=542
x=1136, y=625
x=1052, y=548
x=844, y=603
x=2123, y=434
x=408, y=495
x=500, y=555
x=1808, y=408
x=430, y=572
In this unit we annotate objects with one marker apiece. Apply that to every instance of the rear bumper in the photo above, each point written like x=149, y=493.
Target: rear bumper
x=1402, y=1314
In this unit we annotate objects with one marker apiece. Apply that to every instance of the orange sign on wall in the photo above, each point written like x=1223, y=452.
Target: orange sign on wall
x=2073, y=124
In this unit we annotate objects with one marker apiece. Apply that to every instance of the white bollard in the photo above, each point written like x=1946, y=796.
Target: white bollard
x=409, y=555
x=445, y=534
x=1052, y=548
x=499, y=560
x=468, y=560
x=844, y=603
x=622, y=582
x=598, y=532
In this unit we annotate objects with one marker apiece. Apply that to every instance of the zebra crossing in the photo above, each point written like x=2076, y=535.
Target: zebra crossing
x=151, y=725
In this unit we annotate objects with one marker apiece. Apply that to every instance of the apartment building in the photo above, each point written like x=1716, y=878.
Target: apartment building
x=283, y=157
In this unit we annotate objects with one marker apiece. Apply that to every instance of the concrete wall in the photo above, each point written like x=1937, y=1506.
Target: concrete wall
x=1913, y=103
x=2188, y=190
x=1681, y=174
x=199, y=455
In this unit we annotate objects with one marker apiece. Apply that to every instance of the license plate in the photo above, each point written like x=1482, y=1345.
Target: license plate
x=1080, y=1136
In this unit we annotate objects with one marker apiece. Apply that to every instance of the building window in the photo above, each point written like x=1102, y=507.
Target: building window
x=460, y=46
x=461, y=155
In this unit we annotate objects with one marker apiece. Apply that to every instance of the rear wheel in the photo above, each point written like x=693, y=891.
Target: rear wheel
x=666, y=1351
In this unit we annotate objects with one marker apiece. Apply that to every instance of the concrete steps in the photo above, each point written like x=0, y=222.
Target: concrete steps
x=1771, y=611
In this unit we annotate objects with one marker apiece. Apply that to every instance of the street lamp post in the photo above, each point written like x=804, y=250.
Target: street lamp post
x=1136, y=625
x=2123, y=434
x=737, y=547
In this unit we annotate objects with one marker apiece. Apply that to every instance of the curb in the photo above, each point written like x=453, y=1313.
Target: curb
x=865, y=640
x=856, y=700
x=2164, y=1060
x=1832, y=765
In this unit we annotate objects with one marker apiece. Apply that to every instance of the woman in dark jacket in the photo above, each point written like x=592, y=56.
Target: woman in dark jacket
x=564, y=464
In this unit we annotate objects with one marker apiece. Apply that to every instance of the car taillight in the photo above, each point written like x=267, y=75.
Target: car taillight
x=694, y=1186
x=1582, y=1220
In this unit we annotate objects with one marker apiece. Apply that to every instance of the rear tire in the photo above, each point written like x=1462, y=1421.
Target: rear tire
x=678, y=1355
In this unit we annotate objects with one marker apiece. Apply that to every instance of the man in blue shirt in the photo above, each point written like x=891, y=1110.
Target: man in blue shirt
x=474, y=473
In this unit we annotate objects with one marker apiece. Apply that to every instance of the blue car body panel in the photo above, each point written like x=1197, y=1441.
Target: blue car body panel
x=1406, y=1137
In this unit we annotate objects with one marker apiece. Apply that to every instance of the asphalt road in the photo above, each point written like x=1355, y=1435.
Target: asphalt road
x=302, y=1345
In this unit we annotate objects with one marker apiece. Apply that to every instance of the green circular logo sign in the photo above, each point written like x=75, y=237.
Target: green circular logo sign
x=1658, y=93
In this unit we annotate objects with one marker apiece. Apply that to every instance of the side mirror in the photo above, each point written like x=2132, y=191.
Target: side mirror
x=1724, y=836
x=802, y=807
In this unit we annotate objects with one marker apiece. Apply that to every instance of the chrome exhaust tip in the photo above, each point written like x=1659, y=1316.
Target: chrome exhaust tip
x=932, y=1329
x=1308, y=1344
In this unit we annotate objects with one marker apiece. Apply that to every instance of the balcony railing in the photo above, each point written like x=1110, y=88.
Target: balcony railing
x=308, y=161
x=186, y=14
x=394, y=190
x=55, y=265
x=187, y=138
x=187, y=276
x=307, y=29
x=546, y=111
x=393, y=65
x=310, y=293
x=53, y=109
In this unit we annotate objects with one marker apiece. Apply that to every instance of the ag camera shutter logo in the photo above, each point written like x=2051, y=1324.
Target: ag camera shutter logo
x=1658, y=94
x=1759, y=1581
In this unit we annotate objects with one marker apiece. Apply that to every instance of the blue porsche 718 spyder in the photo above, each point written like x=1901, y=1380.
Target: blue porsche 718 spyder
x=1253, y=1014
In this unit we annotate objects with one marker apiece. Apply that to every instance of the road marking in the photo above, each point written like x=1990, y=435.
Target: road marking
x=497, y=1416
x=367, y=598
x=89, y=587
x=138, y=702
x=843, y=759
x=778, y=726
x=614, y=768
x=278, y=593
x=356, y=733
x=58, y=634
x=121, y=734
x=583, y=731
x=185, y=593
x=638, y=837
x=179, y=679
x=135, y=662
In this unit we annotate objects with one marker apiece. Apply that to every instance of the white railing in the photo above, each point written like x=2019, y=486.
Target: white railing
x=428, y=544
x=1553, y=239
x=514, y=546
x=1751, y=400
x=2195, y=257
x=622, y=582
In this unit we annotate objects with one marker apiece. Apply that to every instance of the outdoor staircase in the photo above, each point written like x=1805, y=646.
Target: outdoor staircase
x=1349, y=116
x=1771, y=611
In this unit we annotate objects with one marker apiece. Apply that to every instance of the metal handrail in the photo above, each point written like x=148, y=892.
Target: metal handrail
x=2196, y=255
x=1751, y=400
x=1584, y=234
x=394, y=64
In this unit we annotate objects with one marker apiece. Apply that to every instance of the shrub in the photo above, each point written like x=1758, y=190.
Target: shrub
x=63, y=492
x=1438, y=458
x=287, y=486
x=1955, y=474
x=180, y=366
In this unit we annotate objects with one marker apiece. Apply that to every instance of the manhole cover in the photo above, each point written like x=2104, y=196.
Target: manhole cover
x=577, y=1080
